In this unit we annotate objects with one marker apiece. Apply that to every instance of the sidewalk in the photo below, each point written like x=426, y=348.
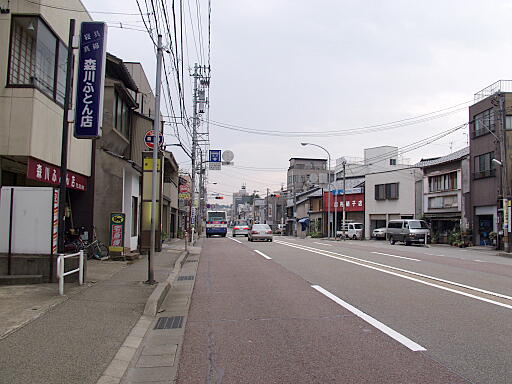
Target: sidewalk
x=47, y=338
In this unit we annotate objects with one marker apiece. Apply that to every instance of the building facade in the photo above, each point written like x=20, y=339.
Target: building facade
x=392, y=195
x=446, y=194
x=33, y=61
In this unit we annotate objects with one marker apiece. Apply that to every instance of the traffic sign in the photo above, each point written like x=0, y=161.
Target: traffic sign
x=215, y=166
x=214, y=156
x=149, y=139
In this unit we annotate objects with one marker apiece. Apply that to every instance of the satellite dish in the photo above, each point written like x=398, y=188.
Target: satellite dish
x=313, y=177
x=227, y=156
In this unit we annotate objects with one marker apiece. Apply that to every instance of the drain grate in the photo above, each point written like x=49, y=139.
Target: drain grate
x=173, y=322
x=185, y=278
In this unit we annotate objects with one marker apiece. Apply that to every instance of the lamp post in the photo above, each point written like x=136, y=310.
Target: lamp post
x=329, y=187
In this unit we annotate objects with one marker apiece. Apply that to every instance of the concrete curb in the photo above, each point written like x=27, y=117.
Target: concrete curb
x=160, y=292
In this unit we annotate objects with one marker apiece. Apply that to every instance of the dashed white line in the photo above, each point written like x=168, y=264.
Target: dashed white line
x=376, y=323
x=262, y=254
x=238, y=241
x=328, y=245
x=400, y=257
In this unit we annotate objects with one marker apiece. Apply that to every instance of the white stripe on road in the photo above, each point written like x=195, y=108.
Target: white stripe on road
x=238, y=241
x=433, y=254
x=262, y=254
x=376, y=323
x=328, y=245
x=354, y=260
x=400, y=257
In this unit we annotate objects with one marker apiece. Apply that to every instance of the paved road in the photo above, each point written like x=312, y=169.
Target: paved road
x=288, y=314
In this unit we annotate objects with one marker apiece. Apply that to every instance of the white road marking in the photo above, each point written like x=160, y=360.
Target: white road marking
x=400, y=257
x=353, y=261
x=480, y=261
x=328, y=245
x=433, y=254
x=262, y=254
x=376, y=323
x=238, y=241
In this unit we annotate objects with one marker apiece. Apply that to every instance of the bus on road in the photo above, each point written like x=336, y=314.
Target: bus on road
x=216, y=223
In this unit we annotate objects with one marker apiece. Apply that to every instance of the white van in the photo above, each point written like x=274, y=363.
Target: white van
x=352, y=231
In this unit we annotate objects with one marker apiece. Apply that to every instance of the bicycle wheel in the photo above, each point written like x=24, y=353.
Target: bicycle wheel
x=101, y=251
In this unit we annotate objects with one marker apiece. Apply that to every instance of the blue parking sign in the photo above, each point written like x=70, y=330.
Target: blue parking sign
x=214, y=156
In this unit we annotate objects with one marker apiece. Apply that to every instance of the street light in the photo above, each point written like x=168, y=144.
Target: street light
x=329, y=187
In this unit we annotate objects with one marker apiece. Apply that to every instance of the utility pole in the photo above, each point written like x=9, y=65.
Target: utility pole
x=266, y=209
x=505, y=192
x=344, y=198
x=64, y=147
x=156, y=150
x=194, y=144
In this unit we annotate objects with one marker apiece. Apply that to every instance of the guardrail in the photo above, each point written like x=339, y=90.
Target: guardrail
x=60, y=269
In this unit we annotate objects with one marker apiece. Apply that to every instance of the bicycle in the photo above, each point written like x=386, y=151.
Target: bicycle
x=94, y=249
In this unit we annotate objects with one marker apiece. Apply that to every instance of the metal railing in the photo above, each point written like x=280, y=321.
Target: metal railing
x=498, y=86
x=61, y=274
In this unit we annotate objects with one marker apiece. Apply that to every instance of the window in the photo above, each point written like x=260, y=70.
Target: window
x=483, y=123
x=392, y=191
x=135, y=219
x=37, y=57
x=484, y=166
x=122, y=116
x=386, y=191
x=392, y=161
x=440, y=202
x=508, y=122
x=442, y=182
x=380, y=192
x=395, y=224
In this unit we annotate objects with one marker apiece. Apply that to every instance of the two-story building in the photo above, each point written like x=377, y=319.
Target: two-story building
x=390, y=195
x=33, y=62
x=446, y=182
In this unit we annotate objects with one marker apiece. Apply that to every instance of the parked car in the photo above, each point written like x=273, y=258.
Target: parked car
x=260, y=232
x=379, y=233
x=241, y=228
x=352, y=231
x=408, y=231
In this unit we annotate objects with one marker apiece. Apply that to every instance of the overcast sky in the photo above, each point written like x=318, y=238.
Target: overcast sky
x=284, y=65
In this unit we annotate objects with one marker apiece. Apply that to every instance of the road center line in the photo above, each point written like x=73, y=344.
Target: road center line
x=327, y=245
x=376, y=323
x=400, y=257
x=238, y=241
x=262, y=254
x=364, y=263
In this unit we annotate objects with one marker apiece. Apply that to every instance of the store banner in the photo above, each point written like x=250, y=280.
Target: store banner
x=48, y=173
x=117, y=226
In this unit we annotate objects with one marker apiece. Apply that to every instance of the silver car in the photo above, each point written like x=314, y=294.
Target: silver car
x=408, y=231
x=241, y=228
x=260, y=232
x=379, y=233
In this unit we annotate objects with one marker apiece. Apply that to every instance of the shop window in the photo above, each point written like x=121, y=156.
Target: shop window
x=37, y=57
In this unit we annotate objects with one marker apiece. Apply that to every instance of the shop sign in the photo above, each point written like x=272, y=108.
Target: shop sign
x=117, y=224
x=55, y=221
x=353, y=203
x=47, y=173
x=184, y=196
x=91, y=79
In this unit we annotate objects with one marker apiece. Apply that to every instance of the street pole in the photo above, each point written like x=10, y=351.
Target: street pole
x=194, y=143
x=65, y=137
x=504, y=175
x=344, y=199
x=335, y=195
x=156, y=149
x=266, y=208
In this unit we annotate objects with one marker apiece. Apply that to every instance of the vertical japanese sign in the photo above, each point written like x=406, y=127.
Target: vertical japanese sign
x=55, y=221
x=91, y=79
x=117, y=223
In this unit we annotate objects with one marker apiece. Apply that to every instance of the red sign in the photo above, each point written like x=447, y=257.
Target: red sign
x=353, y=202
x=149, y=139
x=48, y=173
